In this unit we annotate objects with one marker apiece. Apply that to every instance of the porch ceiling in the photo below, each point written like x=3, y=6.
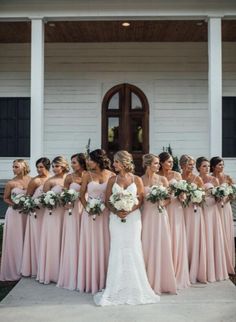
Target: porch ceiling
x=113, y=31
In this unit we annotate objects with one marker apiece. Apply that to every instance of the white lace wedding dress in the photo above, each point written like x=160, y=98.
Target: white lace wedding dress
x=126, y=281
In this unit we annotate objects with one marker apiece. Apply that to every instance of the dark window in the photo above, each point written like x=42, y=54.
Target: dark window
x=14, y=127
x=229, y=127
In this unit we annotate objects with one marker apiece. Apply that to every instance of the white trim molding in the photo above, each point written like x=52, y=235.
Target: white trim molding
x=37, y=90
x=215, y=85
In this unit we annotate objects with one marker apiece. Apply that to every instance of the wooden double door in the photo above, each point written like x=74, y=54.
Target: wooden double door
x=125, y=122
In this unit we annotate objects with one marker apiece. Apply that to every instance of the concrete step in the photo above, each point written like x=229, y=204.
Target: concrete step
x=31, y=301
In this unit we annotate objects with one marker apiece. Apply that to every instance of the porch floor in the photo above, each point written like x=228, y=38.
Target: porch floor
x=31, y=301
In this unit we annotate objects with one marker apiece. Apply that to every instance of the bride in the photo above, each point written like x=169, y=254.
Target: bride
x=126, y=281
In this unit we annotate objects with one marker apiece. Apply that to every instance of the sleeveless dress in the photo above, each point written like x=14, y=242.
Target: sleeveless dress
x=215, y=254
x=13, y=240
x=127, y=281
x=196, y=243
x=94, y=245
x=32, y=239
x=50, y=243
x=70, y=245
x=226, y=216
x=156, y=242
x=179, y=243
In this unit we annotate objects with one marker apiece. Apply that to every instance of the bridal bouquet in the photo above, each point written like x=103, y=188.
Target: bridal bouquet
x=50, y=200
x=95, y=206
x=157, y=194
x=68, y=197
x=196, y=196
x=180, y=190
x=123, y=200
x=221, y=192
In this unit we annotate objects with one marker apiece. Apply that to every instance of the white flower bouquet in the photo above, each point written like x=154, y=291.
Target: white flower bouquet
x=232, y=192
x=95, y=207
x=221, y=192
x=156, y=195
x=123, y=200
x=68, y=197
x=180, y=190
x=18, y=200
x=50, y=200
x=196, y=196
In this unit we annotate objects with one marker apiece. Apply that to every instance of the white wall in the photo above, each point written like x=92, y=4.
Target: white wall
x=77, y=75
x=173, y=76
x=229, y=88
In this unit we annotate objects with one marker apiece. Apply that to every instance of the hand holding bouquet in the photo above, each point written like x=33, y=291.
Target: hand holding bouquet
x=180, y=190
x=196, y=196
x=123, y=201
x=232, y=192
x=50, y=200
x=221, y=192
x=68, y=197
x=95, y=207
x=156, y=195
x=18, y=200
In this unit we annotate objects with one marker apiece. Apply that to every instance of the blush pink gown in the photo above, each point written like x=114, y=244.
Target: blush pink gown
x=13, y=240
x=68, y=273
x=196, y=244
x=94, y=245
x=215, y=254
x=32, y=239
x=226, y=216
x=50, y=244
x=179, y=243
x=156, y=242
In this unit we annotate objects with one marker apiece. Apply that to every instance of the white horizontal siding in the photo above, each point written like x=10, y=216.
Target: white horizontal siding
x=229, y=89
x=172, y=75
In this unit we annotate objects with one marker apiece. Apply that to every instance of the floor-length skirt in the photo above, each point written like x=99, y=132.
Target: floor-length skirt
x=12, y=246
x=196, y=243
x=179, y=244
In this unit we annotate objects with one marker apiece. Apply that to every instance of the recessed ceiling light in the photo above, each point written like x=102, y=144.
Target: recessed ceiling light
x=125, y=24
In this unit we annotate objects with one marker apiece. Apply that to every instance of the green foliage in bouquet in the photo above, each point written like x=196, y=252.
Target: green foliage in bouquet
x=175, y=158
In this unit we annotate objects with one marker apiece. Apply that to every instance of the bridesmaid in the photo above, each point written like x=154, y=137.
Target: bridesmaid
x=195, y=226
x=71, y=228
x=215, y=254
x=177, y=225
x=94, y=234
x=50, y=242
x=14, y=227
x=217, y=169
x=34, y=222
x=156, y=239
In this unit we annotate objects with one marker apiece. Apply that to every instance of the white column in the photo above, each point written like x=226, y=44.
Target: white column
x=37, y=91
x=215, y=86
